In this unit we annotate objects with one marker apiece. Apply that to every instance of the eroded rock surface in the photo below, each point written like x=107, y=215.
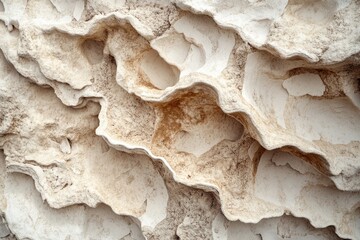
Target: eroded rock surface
x=179, y=119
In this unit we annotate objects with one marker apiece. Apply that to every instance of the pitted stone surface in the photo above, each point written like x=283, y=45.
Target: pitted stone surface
x=179, y=119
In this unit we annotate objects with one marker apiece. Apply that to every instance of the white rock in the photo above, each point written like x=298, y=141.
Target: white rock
x=300, y=85
x=164, y=120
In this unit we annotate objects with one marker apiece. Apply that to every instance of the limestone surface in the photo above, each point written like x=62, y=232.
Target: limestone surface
x=180, y=119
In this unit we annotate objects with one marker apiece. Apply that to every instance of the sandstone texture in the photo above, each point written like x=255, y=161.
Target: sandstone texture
x=183, y=119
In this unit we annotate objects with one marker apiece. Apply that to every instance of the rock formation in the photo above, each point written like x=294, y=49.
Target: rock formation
x=180, y=119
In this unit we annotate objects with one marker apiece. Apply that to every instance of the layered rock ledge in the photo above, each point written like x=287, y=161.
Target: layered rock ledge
x=180, y=119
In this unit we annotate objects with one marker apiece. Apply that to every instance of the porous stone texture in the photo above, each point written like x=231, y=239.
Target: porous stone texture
x=184, y=119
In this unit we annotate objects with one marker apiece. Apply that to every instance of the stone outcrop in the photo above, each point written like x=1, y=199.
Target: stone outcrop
x=180, y=119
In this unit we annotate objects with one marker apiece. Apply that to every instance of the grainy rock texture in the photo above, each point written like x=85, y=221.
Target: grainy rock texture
x=184, y=119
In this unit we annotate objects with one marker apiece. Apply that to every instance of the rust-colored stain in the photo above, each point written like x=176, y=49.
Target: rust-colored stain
x=172, y=114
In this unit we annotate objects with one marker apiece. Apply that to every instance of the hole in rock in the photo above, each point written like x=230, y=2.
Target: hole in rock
x=2, y=9
x=336, y=120
x=93, y=50
x=178, y=45
x=200, y=138
x=194, y=124
x=335, y=113
x=304, y=84
x=159, y=73
x=66, y=145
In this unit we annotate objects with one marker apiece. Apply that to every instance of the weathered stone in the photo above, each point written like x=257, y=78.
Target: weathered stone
x=180, y=119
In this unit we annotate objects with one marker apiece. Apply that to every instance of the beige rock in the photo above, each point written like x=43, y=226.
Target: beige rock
x=324, y=31
x=282, y=227
x=165, y=120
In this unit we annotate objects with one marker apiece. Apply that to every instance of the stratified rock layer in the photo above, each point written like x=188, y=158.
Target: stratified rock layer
x=179, y=120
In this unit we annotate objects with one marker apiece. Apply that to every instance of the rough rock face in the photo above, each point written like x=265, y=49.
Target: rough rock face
x=180, y=119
